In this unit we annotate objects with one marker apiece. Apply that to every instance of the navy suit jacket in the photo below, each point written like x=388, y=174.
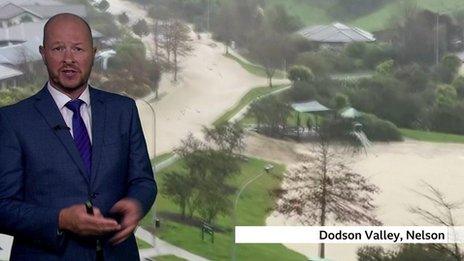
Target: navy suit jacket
x=41, y=172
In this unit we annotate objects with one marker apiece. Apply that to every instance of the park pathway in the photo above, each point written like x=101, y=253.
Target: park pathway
x=162, y=248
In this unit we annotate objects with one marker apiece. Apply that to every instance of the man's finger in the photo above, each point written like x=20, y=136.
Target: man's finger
x=103, y=224
x=97, y=212
x=122, y=235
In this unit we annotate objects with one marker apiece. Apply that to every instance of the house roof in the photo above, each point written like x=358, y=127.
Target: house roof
x=336, y=33
x=41, y=9
x=26, y=31
x=7, y=72
x=31, y=34
x=47, y=11
x=19, y=53
x=309, y=106
x=10, y=10
x=31, y=2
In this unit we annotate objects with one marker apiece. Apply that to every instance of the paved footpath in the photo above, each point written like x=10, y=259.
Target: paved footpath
x=161, y=248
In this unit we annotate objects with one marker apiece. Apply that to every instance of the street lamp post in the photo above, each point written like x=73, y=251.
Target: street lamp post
x=155, y=219
x=267, y=169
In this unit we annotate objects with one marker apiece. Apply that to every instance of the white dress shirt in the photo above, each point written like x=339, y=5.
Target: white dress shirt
x=61, y=99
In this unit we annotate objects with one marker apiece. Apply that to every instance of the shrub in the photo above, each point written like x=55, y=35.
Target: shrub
x=414, y=76
x=299, y=73
x=355, y=50
x=341, y=101
x=386, y=67
x=271, y=115
x=379, y=130
x=451, y=64
x=314, y=61
x=377, y=53
x=446, y=95
x=458, y=84
x=449, y=119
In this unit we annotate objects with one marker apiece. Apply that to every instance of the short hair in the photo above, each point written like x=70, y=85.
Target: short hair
x=57, y=16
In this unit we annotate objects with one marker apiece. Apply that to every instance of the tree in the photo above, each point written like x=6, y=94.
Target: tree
x=123, y=18
x=446, y=95
x=103, y=5
x=177, y=41
x=340, y=101
x=442, y=214
x=224, y=24
x=227, y=137
x=385, y=68
x=209, y=166
x=268, y=49
x=318, y=64
x=277, y=18
x=177, y=186
x=271, y=115
x=131, y=70
x=405, y=252
x=299, y=73
x=159, y=13
x=448, y=68
x=140, y=28
x=322, y=188
x=458, y=84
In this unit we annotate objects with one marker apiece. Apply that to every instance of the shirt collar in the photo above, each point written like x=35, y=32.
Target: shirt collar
x=61, y=99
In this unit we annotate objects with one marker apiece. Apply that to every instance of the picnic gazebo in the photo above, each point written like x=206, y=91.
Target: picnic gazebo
x=311, y=106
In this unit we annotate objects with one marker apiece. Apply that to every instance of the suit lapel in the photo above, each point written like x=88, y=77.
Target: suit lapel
x=47, y=107
x=98, y=129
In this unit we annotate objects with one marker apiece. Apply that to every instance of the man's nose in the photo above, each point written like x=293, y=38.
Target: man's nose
x=68, y=56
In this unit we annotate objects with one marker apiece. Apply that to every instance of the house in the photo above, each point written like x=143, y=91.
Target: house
x=21, y=34
x=335, y=34
x=8, y=76
x=14, y=12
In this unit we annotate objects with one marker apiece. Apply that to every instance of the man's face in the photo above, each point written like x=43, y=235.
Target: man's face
x=68, y=54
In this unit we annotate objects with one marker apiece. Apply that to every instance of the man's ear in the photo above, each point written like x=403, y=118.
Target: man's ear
x=42, y=53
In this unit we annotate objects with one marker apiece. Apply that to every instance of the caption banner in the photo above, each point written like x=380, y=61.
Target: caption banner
x=349, y=234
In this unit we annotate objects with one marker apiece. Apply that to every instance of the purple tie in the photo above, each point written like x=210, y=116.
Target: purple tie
x=81, y=137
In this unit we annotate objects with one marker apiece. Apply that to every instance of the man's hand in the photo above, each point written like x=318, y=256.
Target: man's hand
x=76, y=220
x=131, y=213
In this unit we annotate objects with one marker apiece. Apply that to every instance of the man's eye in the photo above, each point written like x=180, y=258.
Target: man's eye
x=78, y=49
x=58, y=49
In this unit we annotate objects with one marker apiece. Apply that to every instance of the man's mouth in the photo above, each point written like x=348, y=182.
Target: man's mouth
x=69, y=72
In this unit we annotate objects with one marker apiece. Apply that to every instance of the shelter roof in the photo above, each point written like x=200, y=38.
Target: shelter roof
x=336, y=33
x=309, y=106
x=7, y=72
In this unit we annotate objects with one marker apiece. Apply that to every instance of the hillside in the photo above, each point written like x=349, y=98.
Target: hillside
x=316, y=11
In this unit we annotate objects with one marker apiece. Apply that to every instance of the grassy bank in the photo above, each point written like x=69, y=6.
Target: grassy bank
x=168, y=258
x=245, y=100
x=256, y=69
x=162, y=157
x=432, y=136
x=141, y=244
x=253, y=207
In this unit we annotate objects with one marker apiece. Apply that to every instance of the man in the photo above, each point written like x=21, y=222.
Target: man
x=67, y=145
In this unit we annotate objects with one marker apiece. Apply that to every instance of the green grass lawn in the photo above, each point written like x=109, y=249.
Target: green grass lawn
x=256, y=69
x=311, y=12
x=314, y=12
x=432, y=136
x=141, y=244
x=162, y=157
x=252, y=209
x=382, y=18
x=245, y=100
x=168, y=258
